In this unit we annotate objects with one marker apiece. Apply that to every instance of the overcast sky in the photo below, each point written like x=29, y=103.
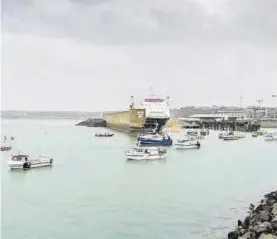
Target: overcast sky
x=93, y=54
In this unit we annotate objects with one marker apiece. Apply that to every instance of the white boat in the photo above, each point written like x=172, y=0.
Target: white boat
x=145, y=153
x=187, y=144
x=230, y=136
x=270, y=137
x=22, y=161
x=254, y=134
x=193, y=135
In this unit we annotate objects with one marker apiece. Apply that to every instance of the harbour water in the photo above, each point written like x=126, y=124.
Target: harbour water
x=93, y=192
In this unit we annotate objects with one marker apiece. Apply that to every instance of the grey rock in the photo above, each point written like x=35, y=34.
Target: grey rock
x=93, y=122
x=246, y=222
x=261, y=222
x=267, y=236
x=259, y=208
x=262, y=228
x=264, y=216
x=274, y=209
x=246, y=235
x=274, y=225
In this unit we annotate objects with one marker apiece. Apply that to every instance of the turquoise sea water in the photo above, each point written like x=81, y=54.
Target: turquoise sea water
x=93, y=192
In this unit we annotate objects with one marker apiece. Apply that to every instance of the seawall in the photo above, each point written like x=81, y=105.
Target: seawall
x=261, y=222
x=126, y=121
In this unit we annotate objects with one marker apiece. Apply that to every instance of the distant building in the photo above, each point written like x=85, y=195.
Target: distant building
x=221, y=115
x=232, y=114
x=259, y=112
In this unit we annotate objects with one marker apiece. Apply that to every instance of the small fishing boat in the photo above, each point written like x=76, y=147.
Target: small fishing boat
x=241, y=135
x=270, y=137
x=192, y=133
x=155, y=139
x=104, y=135
x=261, y=132
x=220, y=135
x=196, y=135
x=6, y=146
x=22, y=161
x=204, y=132
x=254, y=134
x=145, y=153
x=187, y=144
x=230, y=136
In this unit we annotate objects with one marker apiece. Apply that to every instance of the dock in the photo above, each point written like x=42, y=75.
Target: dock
x=220, y=122
x=235, y=125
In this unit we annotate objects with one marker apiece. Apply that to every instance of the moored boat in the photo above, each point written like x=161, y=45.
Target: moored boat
x=6, y=147
x=145, y=153
x=22, y=161
x=194, y=135
x=261, y=132
x=155, y=139
x=104, y=135
x=230, y=136
x=204, y=132
x=270, y=137
x=254, y=134
x=187, y=144
x=220, y=135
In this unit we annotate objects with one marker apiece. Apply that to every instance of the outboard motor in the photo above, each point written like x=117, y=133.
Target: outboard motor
x=26, y=165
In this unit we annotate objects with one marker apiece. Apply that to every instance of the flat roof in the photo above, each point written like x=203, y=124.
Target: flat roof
x=206, y=116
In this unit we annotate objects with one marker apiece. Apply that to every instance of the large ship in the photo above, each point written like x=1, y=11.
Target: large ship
x=151, y=116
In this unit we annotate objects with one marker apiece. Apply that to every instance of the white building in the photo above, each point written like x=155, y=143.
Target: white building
x=232, y=114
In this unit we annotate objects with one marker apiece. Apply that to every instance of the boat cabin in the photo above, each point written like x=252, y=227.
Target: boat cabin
x=151, y=150
x=20, y=157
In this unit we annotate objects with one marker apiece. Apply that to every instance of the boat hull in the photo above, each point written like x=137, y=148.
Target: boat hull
x=155, y=142
x=229, y=139
x=145, y=157
x=6, y=148
x=180, y=146
x=133, y=121
x=31, y=164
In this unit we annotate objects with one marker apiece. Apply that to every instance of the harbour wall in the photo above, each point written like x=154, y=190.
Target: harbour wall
x=126, y=121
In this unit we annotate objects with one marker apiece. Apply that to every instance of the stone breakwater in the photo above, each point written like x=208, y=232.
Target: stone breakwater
x=261, y=222
x=93, y=122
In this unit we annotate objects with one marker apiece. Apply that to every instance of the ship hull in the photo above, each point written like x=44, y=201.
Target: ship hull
x=133, y=121
x=155, y=142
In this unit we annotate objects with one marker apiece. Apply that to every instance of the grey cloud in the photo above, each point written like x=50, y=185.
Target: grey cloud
x=144, y=21
x=251, y=21
x=177, y=46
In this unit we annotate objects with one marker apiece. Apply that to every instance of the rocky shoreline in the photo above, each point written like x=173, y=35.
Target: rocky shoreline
x=93, y=122
x=261, y=222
